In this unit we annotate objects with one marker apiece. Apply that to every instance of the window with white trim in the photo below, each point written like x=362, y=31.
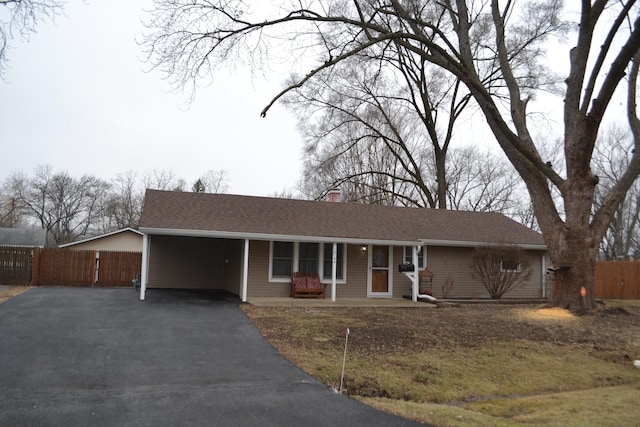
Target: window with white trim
x=305, y=257
x=328, y=261
x=408, y=257
x=510, y=266
x=282, y=259
x=308, y=257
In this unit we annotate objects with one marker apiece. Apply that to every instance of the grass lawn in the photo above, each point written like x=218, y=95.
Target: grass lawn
x=490, y=365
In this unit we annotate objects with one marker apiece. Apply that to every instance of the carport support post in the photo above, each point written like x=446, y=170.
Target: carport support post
x=145, y=266
x=334, y=264
x=415, y=280
x=245, y=270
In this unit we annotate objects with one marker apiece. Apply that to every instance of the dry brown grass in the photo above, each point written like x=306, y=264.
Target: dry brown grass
x=472, y=365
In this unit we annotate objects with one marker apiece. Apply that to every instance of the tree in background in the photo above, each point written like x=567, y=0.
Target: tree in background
x=369, y=173
x=481, y=181
x=124, y=205
x=20, y=18
x=76, y=208
x=11, y=211
x=212, y=182
x=392, y=101
x=198, y=186
x=127, y=193
x=611, y=158
x=473, y=41
x=67, y=207
x=162, y=179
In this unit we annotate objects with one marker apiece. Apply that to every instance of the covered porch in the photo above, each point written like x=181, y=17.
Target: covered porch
x=255, y=267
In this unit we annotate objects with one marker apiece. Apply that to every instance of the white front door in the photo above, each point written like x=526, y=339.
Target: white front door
x=380, y=278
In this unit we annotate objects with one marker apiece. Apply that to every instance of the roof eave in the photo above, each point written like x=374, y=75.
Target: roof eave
x=101, y=236
x=469, y=244
x=269, y=237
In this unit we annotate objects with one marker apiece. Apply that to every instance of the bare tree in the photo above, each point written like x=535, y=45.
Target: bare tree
x=481, y=182
x=11, y=210
x=391, y=99
x=286, y=193
x=163, y=180
x=495, y=48
x=369, y=173
x=69, y=208
x=500, y=268
x=611, y=158
x=366, y=172
x=213, y=181
x=20, y=18
x=124, y=205
x=126, y=198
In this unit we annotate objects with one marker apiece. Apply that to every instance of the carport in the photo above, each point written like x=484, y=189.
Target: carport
x=197, y=259
x=193, y=261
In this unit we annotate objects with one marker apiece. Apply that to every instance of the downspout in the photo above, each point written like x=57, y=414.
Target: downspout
x=145, y=266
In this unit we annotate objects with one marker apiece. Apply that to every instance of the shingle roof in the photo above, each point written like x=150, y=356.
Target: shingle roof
x=25, y=237
x=168, y=212
x=101, y=236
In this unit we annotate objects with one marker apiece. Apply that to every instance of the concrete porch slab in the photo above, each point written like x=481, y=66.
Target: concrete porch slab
x=341, y=302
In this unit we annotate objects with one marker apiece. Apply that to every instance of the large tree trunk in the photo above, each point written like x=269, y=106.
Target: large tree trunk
x=573, y=256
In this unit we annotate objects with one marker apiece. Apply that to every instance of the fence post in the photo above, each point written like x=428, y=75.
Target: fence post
x=96, y=267
x=35, y=267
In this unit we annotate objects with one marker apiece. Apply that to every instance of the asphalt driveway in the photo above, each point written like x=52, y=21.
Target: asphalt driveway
x=101, y=357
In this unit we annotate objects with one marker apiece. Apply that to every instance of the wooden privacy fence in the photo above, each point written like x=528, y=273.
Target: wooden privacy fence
x=617, y=279
x=15, y=265
x=118, y=268
x=65, y=267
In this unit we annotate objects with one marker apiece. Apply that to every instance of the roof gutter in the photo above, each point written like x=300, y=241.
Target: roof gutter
x=269, y=237
x=466, y=244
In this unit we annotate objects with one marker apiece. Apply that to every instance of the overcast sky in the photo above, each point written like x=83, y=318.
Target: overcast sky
x=76, y=97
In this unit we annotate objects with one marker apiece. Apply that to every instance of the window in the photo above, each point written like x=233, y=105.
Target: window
x=510, y=266
x=327, y=261
x=408, y=257
x=308, y=258
x=282, y=261
x=305, y=257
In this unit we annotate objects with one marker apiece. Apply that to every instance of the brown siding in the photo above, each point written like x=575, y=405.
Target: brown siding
x=453, y=262
x=186, y=262
x=258, y=282
x=259, y=285
x=124, y=241
x=232, y=276
x=202, y=263
x=357, y=264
